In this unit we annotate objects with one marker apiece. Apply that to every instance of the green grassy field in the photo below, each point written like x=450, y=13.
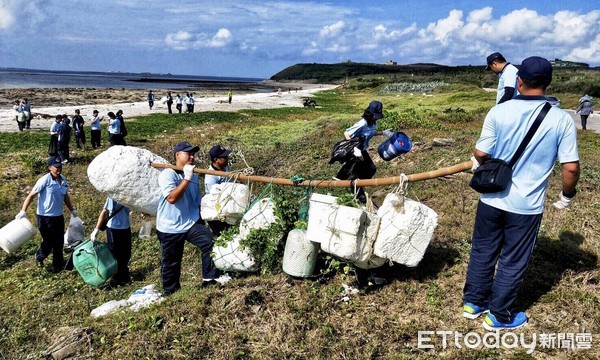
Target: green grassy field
x=275, y=316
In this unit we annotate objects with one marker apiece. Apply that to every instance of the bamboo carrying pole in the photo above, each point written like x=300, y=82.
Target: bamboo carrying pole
x=330, y=183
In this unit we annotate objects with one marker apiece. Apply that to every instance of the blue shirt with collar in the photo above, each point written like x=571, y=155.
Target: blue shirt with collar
x=507, y=78
x=114, y=126
x=179, y=217
x=121, y=219
x=503, y=130
x=361, y=127
x=210, y=180
x=51, y=195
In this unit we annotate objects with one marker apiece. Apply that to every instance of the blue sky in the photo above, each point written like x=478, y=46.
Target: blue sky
x=260, y=38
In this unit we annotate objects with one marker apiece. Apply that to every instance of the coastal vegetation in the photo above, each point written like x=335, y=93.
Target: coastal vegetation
x=270, y=316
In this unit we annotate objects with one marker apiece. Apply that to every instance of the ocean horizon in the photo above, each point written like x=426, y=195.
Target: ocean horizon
x=16, y=78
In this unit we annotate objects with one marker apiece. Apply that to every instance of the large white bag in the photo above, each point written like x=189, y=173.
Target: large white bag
x=233, y=258
x=226, y=202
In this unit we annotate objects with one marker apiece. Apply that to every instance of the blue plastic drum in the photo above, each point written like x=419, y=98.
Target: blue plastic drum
x=396, y=145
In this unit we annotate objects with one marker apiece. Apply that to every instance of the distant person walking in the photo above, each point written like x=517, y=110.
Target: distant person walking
x=150, y=99
x=229, y=96
x=52, y=191
x=64, y=141
x=507, y=223
x=122, y=126
x=114, y=130
x=79, y=132
x=190, y=103
x=169, y=102
x=178, y=103
x=585, y=109
x=19, y=116
x=507, y=77
x=27, y=112
x=95, y=132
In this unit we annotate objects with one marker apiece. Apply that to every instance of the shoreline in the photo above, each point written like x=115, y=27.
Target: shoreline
x=132, y=101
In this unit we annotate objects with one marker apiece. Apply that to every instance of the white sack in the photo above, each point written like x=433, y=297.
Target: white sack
x=124, y=174
x=405, y=230
x=260, y=216
x=233, y=258
x=108, y=307
x=75, y=232
x=226, y=202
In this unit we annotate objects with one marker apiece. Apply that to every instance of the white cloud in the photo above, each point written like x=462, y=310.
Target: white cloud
x=184, y=40
x=480, y=15
x=332, y=30
x=7, y=17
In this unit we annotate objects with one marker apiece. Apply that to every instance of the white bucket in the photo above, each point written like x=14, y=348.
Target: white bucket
x=300, y=255
x=16, y=233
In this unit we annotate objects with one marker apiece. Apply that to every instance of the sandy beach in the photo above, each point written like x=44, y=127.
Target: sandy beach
x=46, y=103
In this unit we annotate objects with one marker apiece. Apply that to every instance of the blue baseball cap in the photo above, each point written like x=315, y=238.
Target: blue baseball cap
x=218, y=151
x=376, y=108
x=535, y=68
x=185, y=146
x=491, y=57
x=54, y=161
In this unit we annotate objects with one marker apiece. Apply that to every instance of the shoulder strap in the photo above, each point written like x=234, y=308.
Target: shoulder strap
x=530, y=133
x=115, y=213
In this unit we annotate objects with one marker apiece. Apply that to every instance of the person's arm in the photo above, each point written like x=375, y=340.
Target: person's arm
x=509, y=92
x=177, y=193
x=103, y=215
x=570, y=177
x=68, y=204
x=28, y=200
x=347, y=135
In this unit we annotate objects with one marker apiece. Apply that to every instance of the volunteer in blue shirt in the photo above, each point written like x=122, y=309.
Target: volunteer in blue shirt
x=114, y=130
x=219, y=158
x=507, y=77
x=178, y=219
x=118, y=236
x=52, y=190
x=507, y=223
x=95, y=130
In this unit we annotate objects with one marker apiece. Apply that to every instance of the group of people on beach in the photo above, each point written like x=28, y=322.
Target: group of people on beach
x=179, y=101
x=64, y=128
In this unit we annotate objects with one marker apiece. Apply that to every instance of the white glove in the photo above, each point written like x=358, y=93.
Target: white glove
x=387, y=132
x=74, y=213
x=591, y=115
x=93, y=235
x=22, y=214
x=357, y=152
x=475, y=163
x=188, y=171
x=563, y=201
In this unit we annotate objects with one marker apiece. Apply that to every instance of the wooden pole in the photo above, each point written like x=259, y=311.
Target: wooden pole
x=330, y=183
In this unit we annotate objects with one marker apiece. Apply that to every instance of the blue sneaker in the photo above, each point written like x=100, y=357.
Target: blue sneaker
x=472, y=311
x=518, y=320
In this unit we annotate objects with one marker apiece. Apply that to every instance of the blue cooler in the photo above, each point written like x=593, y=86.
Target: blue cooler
x=396, y=145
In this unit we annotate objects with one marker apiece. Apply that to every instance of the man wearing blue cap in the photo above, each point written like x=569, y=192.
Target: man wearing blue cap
x=219, y=161
x=507, y=77
x=178, y=219
x=507, y=222
x=52, y=190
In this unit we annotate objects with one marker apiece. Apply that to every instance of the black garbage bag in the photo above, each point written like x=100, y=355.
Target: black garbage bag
x=343, y=150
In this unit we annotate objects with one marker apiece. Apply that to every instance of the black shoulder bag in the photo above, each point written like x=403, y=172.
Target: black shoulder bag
x=494, y=175
x=104, y=223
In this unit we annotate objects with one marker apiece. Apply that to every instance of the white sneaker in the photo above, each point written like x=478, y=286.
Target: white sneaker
x=222, y=280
